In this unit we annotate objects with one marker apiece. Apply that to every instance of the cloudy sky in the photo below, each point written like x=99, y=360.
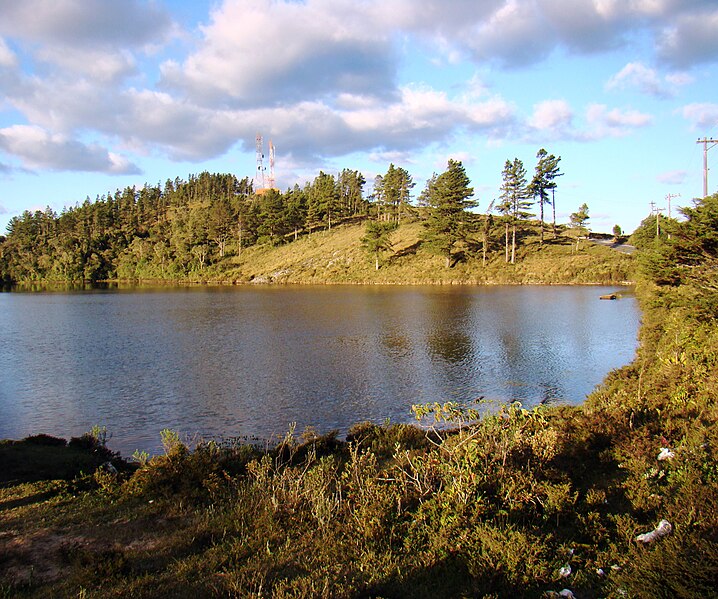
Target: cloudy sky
x=96, y=95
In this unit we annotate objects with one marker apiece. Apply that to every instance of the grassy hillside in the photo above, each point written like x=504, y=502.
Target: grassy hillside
x=337, y=256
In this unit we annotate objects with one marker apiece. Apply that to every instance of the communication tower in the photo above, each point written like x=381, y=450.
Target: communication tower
x=270, y=181
x=259, y=175
x=262, y=181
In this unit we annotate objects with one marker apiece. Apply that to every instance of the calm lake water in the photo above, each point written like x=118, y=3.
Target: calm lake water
x=249, y=361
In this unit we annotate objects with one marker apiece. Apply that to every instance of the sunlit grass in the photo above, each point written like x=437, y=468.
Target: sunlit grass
x=337, y=256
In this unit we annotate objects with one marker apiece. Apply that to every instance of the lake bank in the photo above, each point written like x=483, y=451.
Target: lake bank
x=337, y=256
x=251, y=360
x=523, y=503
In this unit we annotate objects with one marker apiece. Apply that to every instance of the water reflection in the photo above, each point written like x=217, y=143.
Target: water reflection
x=250, y=361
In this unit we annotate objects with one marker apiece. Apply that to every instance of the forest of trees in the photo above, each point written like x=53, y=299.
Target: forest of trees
x=170, y=231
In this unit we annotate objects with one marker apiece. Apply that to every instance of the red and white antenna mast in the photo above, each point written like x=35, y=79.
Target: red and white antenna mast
x=270, y=182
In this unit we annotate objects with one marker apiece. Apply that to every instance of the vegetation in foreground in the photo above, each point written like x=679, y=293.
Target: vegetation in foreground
x=516, y=504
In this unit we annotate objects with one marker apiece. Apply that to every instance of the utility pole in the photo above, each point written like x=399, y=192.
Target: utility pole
x=668, y=197
x=705, y=141
x=657, y=211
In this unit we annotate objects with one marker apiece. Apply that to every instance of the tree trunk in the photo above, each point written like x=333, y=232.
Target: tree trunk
x=513, y=245
x=506, y=242
x=541, y=202
x=553, y=205
x=239, y=240
x=376, y=260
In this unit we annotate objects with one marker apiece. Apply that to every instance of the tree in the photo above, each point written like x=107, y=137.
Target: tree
x=449, y=198
x=579, y=220
x=689, y=255
x=424, y=199
x=351, y=192
x=515, y=201
x=617, y=232
x=378, y=238
x=220, y=222
x=486, y=231
x=397, y=186
x=296, y=209
x=273, y=222
x=323, y=200
x=544, y=179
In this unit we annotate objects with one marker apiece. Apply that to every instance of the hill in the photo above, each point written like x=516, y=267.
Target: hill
x=214, y=228
x=336, y=256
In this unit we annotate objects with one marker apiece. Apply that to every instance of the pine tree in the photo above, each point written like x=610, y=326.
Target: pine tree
x=449, y=198
x=544, y=179
x=378, y=238
x=579, y=220
x=515, y=201
x=397, y=186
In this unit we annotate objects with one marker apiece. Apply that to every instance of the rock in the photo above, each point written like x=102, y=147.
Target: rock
x=664, y=528
x=666, y=454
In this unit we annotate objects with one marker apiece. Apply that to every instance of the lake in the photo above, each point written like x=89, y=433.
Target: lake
x=249, y=361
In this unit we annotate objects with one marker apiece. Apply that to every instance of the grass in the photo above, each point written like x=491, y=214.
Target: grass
x=336, y=256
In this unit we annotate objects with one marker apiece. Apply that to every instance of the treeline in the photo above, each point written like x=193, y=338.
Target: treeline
x=172, y=231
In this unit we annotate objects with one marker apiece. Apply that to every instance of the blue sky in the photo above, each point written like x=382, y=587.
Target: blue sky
x=96, y=95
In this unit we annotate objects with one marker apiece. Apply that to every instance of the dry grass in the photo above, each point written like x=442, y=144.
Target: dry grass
x=337, y=256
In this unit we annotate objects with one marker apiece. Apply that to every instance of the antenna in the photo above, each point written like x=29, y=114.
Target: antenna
x=271, y=165
x=259, y=175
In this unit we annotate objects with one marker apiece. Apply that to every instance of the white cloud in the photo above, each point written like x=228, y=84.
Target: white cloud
x=691, y=39
x=521, y=32
x=648, y=81
x=39, y=149
x=7, y=56
x=679, y=79
x=90, y=38
x=423, y=115
x=605, y=122
x=645, y=79
x=286, y=52
x=511, y=34
x=95, y=23
x=555, y=119
x=322, y=75
x=98, y=66
x=551, y=115
x=672, y=177
x=703, y=115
